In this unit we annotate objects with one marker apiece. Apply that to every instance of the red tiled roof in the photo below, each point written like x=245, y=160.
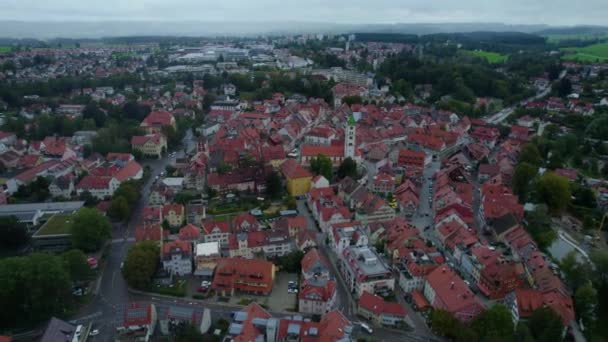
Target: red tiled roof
x=452, y=294
x=310, y=259
x=177, y=208
x=158, y=119
x=185, y=246
x=129, y=171
x=249, y=275
x=189, y=232
x=324, y=290
x=291, y=169
x=223, y=226
x=137, y=314
x=94, y=182
x=328, y=151
x=378, y=306
x=152, y=232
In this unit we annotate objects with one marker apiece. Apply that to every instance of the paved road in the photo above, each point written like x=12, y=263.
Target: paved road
x=499, y=117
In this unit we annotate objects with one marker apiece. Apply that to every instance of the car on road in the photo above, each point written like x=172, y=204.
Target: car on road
x=366, y=328
x=94, y=332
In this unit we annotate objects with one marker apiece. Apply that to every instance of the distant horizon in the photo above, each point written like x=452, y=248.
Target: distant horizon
x=82, y=29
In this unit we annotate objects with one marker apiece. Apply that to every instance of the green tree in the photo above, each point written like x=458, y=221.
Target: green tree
x=141, y=264
x=585, y=300
x=13, y=234
x=119, y=209
x=274, y=185
x=495, y=324
x=523, y=333
x=546, y=325
x=530, y=154
x=522, y=178
x=554, y=190
x=351, y=100
x=348, y=167
x=577, y=274
x=539, y=226
x=89, y=229
x=92, y=111
x=33, y=287
x=75, y=262
x=321, y=165
x=292, y=262
x=443, y=323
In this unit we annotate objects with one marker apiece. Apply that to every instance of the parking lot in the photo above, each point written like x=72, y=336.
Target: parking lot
x=280, y=299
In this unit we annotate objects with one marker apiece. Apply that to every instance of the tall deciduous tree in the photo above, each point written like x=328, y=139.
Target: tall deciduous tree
x=119, y=209
x=75, y=262
x=141, y=264
x=274, y=186
x=530, y=154
x=13, y=234
x=321, y=165
x=546, y=325
x=523, y=176
x=554, y=190
x=89, y=229
x=495, y=324
x=348, y=168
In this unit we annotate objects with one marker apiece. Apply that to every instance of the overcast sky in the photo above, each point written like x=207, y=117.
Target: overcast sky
x=552, y=12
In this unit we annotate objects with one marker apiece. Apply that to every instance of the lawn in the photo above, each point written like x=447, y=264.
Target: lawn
x=5, y=49
x=491, y=57
x=58, y=224
x=589, y=53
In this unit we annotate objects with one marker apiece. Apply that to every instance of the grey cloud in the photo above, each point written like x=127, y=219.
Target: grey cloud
x=553, y=12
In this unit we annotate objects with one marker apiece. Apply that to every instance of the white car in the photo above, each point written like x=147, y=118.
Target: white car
x=367, y=328
x=94, y=332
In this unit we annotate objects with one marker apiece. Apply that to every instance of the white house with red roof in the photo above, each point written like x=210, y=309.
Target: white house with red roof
x=381, y=312
x=100, y=187
x=150, y=144
x=216, y=231
x=177, y=257
x=317, y=296
x=363, y=270
x=445, y=290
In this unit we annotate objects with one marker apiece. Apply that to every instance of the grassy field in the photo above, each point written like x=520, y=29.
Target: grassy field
x=5, y=49
x=491, y=57
x=556, y=38
x=589, y=53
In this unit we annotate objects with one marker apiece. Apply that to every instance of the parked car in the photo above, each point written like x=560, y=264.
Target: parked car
x=94, y=332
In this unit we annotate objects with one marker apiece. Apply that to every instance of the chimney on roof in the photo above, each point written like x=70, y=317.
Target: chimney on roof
x=452, y=285
x=443, y=270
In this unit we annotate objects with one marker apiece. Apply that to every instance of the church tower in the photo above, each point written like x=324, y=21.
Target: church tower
x=349, y=137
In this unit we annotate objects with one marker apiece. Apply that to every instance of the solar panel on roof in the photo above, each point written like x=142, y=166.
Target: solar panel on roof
x=240, y=316
x=235, y=329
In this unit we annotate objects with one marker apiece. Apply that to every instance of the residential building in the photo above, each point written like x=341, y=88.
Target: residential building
x=99, y=187
x=314, y=265
x=381, y=312
x=253, y=323
x=56, y=330
x=137, y=323
x=174, y=214
x=363, y=270
x=317, y=296
x=445, y=290
x=155, y=121
x=205, y=259
x=177, y=257
x=238, y=275
x=216, y=231
x=150, y=145
x=298, y=178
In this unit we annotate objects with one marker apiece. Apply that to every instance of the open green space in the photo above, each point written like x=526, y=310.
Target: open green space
x=491, y=57
x=556, y=38
x=591, y=53
x=5, y=49
x=58, y=224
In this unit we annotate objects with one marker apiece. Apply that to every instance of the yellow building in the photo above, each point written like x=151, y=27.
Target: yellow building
x=298, y=178
x=150, y=145
x=174, y=214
